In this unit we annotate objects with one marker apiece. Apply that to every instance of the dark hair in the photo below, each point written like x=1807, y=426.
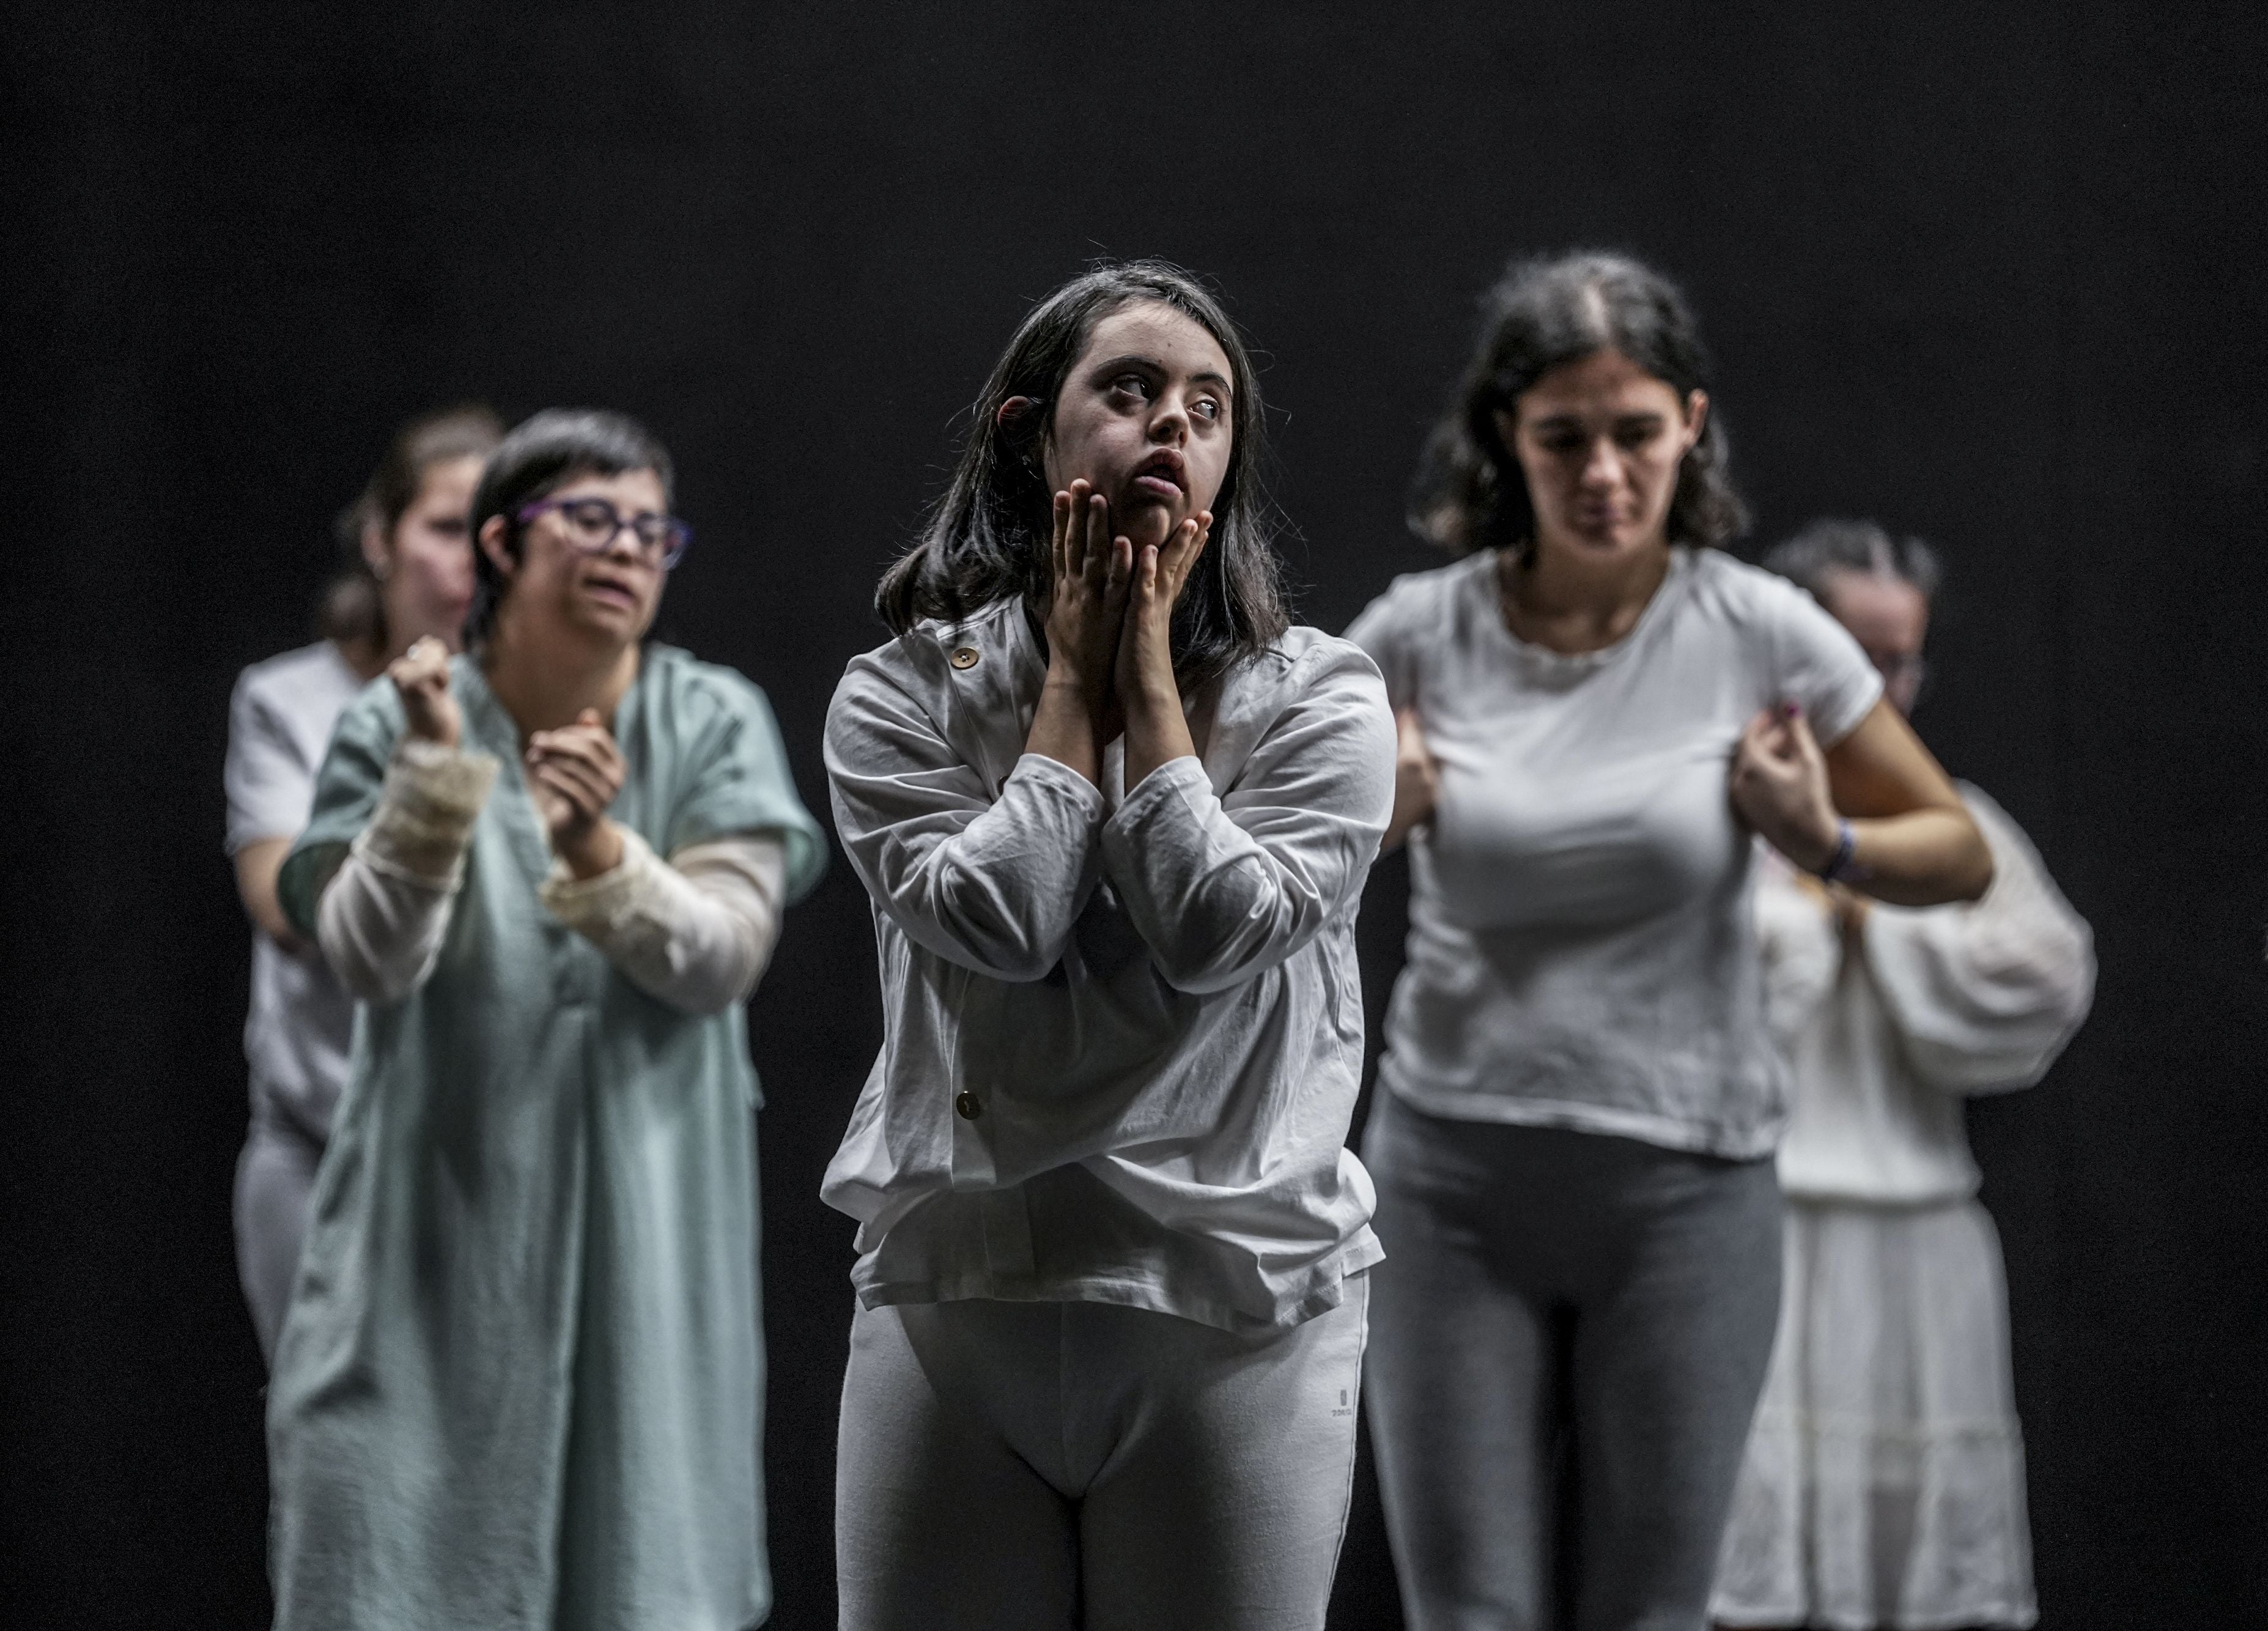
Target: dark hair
x=1828, y=546
x=353, y=609
x=543, y=454
x=1470, y=493
x=988, y=537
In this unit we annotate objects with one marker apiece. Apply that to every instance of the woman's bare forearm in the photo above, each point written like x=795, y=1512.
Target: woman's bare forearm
x=257, y=864
x=1922, y=858
x=1063, y=725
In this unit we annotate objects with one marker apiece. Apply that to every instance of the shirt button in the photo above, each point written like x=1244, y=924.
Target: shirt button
x=964, y=657
x=967, y=1104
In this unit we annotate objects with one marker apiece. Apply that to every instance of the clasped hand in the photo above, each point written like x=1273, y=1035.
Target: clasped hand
x=1778, y=784
x=574, y=773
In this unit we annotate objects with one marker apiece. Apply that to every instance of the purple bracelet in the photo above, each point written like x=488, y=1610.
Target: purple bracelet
x=1838, y=866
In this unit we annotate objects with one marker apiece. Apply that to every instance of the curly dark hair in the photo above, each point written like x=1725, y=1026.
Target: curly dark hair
x=988, y=537
x=1470, y=493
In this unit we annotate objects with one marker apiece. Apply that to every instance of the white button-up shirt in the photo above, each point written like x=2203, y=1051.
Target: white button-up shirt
x=1122, y=1030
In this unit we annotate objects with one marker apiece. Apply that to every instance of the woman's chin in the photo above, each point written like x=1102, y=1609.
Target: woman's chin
x=1149, y=527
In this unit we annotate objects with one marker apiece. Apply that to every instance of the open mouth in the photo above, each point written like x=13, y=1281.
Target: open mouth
x=612, y=591
x=1160, y=477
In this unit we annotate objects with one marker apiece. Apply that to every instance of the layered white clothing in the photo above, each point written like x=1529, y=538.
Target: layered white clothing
x=1883, y=1483
x=1123, y=1027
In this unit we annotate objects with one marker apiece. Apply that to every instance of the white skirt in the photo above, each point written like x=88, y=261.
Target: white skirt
x=1884, y=1478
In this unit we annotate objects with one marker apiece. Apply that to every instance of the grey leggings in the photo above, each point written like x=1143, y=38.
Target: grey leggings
x=275, y=1178
x=1569, y=1334
x=1045, y=1466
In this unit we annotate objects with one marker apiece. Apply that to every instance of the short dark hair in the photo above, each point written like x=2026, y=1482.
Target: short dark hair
x=1828, y=545
x=540, y=456
x=353, y=611
x=1470, y=493
x=988, y=537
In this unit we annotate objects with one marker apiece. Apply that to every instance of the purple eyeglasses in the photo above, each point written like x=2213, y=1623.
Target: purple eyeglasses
x=594, y=524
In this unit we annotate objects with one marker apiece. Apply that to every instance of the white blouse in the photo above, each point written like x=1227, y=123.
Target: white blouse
x=1122, y=1030
x=1883, y=1038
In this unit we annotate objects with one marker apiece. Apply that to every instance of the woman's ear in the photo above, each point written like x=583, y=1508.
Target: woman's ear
x=1013, y=410
x=1696, y=417
x=375, y=555
x=492, y=534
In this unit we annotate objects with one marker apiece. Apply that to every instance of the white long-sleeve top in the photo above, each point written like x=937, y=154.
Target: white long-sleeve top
x=1883, y=1039
x=1122, y=1030
x=694, y=931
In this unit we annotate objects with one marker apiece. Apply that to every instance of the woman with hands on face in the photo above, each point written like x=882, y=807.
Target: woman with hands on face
x=1579, y=1098
x=1115, y=814
x=519, y=1383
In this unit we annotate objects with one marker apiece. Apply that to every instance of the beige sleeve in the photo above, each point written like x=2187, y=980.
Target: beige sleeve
x=381, y=917
x=695, y=930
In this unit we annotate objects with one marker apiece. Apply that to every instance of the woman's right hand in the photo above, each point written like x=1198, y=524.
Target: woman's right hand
x=421, y=675
x=1416, y=784
x=1086, y=606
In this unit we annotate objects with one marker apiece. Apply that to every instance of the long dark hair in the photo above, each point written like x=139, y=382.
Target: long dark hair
x=543, y=454
x=1470, y=493
x=988, y=537
x=353, y=609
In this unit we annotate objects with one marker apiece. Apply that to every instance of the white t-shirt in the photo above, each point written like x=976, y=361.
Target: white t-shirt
x=1582, y=950
x=302, y=1020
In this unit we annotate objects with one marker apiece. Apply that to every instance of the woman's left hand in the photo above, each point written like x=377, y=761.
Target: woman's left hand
x=1778, y=784
x=1145, y=647
x=575, y=774
x=1149, y=697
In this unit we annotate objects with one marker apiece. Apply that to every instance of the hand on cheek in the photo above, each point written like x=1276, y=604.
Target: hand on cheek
x=1146, y=683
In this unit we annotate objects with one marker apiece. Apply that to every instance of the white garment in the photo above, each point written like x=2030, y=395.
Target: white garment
x=301, y=1021
x=1883, y=1481
x=1122, y=1031
x=1582, y=950
x=1944, y=1000
x=694, y=931
x=1020, y=1466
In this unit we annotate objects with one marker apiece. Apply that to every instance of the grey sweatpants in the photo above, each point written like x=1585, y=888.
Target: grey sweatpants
x=1572, y=1330
x=1049, y=1466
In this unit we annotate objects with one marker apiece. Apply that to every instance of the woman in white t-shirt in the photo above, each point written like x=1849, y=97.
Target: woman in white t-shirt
x=1115, y=812
x=1884, y=1478
x=411, y=575
x=1578, y=1101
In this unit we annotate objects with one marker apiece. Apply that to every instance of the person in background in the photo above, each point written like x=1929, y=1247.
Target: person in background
x=409, y=577
x=1578, y=1103
x=1115, y=812
x=520, y=1386
x=1884, y=1479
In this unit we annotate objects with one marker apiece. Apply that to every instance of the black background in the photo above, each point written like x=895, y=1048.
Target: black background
x=1989, y=273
